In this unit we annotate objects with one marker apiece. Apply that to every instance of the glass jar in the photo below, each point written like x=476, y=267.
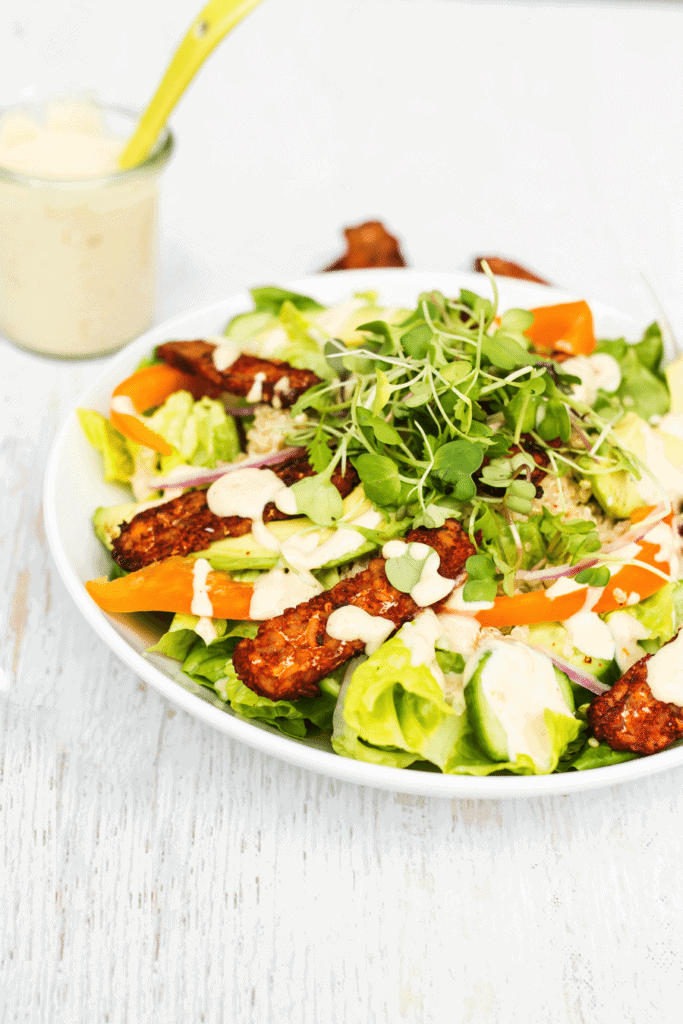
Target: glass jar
x=78, y=254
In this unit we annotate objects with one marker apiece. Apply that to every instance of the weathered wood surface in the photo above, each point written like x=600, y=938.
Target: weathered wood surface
x=152, y=870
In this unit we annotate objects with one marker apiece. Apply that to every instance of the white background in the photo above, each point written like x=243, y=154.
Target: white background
x=150, y=868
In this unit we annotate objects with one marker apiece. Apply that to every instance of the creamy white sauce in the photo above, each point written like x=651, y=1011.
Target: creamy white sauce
x=78, y=264
x=350, y=623
x=590, y=635
x=201, y=602
x=519, y=684
x=430, y=587
x=225, y=354
x=420, y=637
x=672, y=424
x=394, y=549
x=462, y=632
x=256, y=391
x=123, y=404
x=655, y=458
x=665, y=672
x=279, y=589
x=626, y=631
x=665, y=536
x=306, y=551
x=599, y=371
x=245, y=493
x=263, y=536
x=285, y=501
x=206, y=629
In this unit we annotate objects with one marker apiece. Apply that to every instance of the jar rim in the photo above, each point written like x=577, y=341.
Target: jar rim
x=156, y=159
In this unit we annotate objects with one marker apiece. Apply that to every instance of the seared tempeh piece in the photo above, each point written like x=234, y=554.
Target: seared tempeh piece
x=187, y=524
x=292, y=651
x=629, y=717
x=260, y=380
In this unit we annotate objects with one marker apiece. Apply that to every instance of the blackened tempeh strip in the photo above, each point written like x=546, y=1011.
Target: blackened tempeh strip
x=271, y=381
x=293, y=651
x=187, y=524
x=629, y=717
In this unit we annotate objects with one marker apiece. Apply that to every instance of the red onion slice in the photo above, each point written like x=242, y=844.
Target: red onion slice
x=209, y=475
x=584, y=679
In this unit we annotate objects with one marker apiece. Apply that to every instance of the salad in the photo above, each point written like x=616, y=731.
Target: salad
x=445, y=536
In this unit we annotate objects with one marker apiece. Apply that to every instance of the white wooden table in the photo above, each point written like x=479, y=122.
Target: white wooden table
x=151, y=870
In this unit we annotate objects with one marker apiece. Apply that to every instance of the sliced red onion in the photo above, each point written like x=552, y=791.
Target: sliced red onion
x=209, y=475
x=584, y=679
x=556, y=572
x=578, y=427
x=639, y=530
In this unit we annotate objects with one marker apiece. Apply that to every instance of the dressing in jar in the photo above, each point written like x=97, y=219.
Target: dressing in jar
x=78, y=236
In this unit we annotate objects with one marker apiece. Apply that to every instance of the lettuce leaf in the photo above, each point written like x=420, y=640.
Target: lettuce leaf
x=201, y=432
x=117, y=456
x=643, y=387
x=661, y=614
x=211, y=665
x=392, y=712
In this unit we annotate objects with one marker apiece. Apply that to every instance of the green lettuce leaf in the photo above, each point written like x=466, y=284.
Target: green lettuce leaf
x=117, y=456
x=200, y=431
x=600, y=757
x=211, y=665
x=392, y=712
x=643, y=387
x=661, y=614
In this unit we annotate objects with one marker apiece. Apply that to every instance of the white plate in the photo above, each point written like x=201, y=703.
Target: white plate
x=74, y=488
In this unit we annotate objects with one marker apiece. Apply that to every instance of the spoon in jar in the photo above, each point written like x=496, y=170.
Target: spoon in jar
x=209, y=27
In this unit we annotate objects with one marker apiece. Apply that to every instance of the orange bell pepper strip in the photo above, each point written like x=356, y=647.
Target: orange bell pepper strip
x=147, y=388
x=525, y=609
x=168, y=587
x=631, y=579
x=567, y=327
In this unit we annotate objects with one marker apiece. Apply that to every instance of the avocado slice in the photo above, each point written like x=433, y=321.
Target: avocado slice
x=108, y=519
x=617, y=493
x=235, y=554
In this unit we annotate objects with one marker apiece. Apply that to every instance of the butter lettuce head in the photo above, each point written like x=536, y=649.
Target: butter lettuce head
x=393, y=713
x=201, y=432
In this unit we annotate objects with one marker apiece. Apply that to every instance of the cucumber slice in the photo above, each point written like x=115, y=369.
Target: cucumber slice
x=487, y=727
x=519, y=705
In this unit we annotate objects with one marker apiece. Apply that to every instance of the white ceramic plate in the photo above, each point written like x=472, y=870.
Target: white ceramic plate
x=74, y=488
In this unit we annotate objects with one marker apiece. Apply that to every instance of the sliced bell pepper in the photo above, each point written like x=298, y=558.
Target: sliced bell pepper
x=168, y=587
x=146, y=389
x=567, y=327
x=631, y=579
x=524, y=609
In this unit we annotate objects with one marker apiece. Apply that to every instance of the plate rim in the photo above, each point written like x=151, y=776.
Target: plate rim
x=404, y=780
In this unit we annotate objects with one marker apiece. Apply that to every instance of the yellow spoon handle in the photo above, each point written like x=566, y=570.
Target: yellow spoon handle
x=207, y=30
